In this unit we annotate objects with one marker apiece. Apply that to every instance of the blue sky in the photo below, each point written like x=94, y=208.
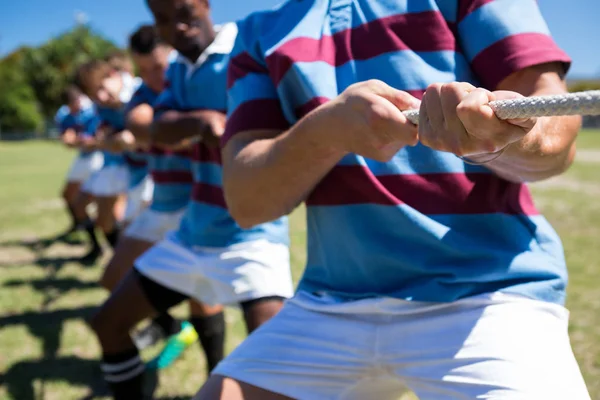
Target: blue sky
x=29, y=22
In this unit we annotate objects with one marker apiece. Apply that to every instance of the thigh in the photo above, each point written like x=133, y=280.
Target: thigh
x=71, y=191
x=199, y=309
x=127, y=251
x=304, y=354
x=170, y=265
x=123, y=310
x=513, y=349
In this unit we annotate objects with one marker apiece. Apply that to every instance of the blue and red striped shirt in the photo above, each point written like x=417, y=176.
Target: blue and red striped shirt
x=197, y=86
x=424, y=226
x=84, y=123
x=170, y=170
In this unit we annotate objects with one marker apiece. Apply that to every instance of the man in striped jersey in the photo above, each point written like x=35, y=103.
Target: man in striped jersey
x=170, y=169
x=428, y=266
x=209, y=258
x=124, y=172
x=77, y=121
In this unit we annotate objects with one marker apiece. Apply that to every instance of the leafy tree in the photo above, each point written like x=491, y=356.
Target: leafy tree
x=18, y=105
x=50, y=67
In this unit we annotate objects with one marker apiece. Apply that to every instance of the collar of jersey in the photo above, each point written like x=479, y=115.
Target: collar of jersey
x=130, y=84
x=223, y=44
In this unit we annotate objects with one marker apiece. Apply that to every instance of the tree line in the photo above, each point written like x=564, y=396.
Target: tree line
x=32, y=79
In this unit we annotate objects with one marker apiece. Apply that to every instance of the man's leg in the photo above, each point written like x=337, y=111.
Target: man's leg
x=219, y=387
x=107, y=220
x=69, y=195
x=301, y=353
x=83, y=220
x=258, y=311
x=127, y=251
x=126, y=307
x=209, y=323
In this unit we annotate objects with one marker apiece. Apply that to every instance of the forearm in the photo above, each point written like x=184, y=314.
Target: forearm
x=174, y=126
x=548, y=150
x=265, y=178
x=139, y=121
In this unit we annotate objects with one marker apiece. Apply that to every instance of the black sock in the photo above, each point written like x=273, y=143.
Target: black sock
x=124, y=374
x=211, y=332
x=89, y=227
x=168, y=325
x=113, y=237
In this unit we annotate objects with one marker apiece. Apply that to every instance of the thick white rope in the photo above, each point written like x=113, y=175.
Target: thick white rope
x=580, y=103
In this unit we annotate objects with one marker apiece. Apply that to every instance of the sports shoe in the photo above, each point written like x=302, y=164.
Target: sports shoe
x=175, y=346
x=148, y=336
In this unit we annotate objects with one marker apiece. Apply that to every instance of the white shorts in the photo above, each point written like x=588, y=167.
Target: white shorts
x=227, y=276
x=108, y=181
x=83, y=167
x=153, y=226
x=138, y=198
x=490, y=346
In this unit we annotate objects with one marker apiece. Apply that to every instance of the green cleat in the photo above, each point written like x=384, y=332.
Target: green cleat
x=175, y=346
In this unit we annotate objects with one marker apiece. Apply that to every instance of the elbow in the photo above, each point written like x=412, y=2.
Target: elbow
x=246, y=215
x=249, y=211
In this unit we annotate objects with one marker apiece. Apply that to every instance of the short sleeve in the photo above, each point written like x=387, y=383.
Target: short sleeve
x=139, y=97
x=252, y=100
x=92, y=125
x=60, y=119
x=500, y=37
x=164, y=102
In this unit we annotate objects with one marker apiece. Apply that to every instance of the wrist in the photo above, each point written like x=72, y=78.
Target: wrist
x=320, y=128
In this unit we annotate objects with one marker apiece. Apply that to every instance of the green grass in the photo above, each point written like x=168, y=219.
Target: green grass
x=48, y=352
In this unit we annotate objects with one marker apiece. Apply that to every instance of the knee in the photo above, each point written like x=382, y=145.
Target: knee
x=105, y=220
x=65, y=194
x=107, y=327
x=107, y=282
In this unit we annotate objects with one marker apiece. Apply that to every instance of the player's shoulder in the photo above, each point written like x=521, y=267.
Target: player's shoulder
x=262, y=30
x=62, y=112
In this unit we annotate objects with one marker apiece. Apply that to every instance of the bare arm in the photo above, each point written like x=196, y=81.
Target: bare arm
x=69, y=138
x=139, y=121
x=172, y=127
x=266, y=175
x=549, y=148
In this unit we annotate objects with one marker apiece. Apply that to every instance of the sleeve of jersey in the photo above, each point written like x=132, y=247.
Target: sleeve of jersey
x=500, y=37
x=164, y=102
x=137, y=99
x=252, y=100
x=92, y=126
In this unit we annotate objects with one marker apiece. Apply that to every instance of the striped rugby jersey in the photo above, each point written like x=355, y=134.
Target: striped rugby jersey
x=170, y=170
x=85, y=122
x=424, y=226
x=115, y=118
x=197, y=86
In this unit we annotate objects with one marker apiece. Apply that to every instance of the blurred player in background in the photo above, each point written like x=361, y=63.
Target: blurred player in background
x=77, y=122
x=171, y=171
x=110, y=90
x=209, y=258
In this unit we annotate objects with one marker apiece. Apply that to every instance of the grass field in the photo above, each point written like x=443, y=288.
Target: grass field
x=48, y=352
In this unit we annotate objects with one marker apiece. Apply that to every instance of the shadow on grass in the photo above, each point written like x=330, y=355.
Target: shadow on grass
x=47, y=325
x=27, y=380
x=40, y=244
x=62, y=285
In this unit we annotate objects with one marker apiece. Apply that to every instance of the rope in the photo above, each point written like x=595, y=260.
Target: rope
x=580, y=103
